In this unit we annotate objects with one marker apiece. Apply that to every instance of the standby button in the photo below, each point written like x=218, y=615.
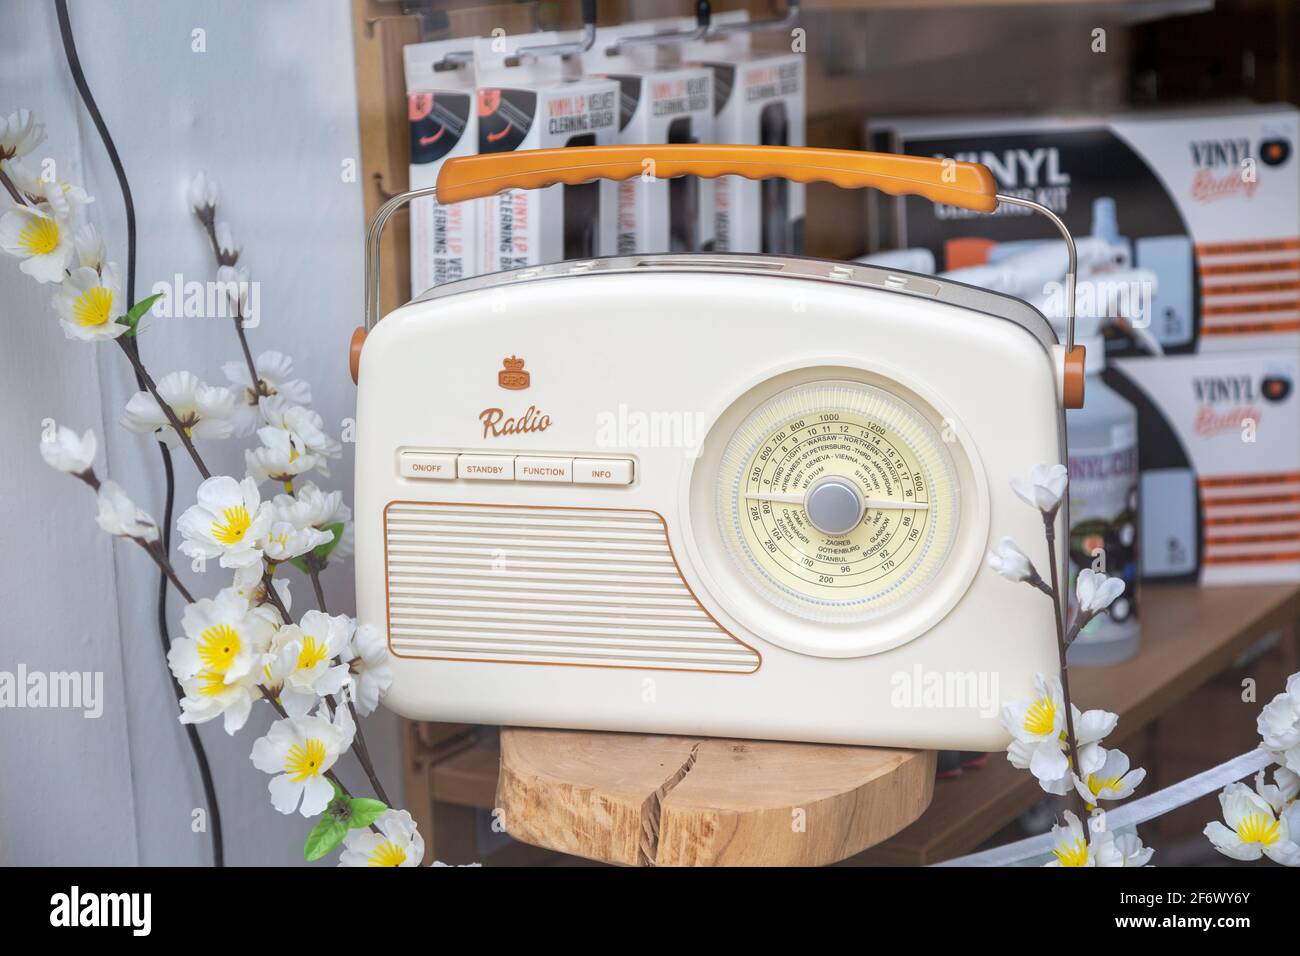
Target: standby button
x=487, y=467
x=602, y=471
x=422, y=464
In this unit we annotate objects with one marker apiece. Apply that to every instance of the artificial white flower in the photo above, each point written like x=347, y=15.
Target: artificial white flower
x=282, y=456
x=1096, y=591
x=275, y=374
x=398, y=842
x=1010, y=562
x=1131, y=851
x=20, y=134
x=309, y=507
x=86, y=302
x=40, y=238
x=284, y=541
x=223, y=638
x=1281, y=793
x=64, y=451
x=62, y=197
x=1279, y=725
x=1038, y=731
x=234, y=282
x=204, y=411
x=299, y=751
x=118, y=514
x=372, y=675
x=203, y=193
x=228, y=522
x=1044, y=488
x=279, y=412
x=301, y=665
x=226, y=245
x=208, y=695
x=249, y=584
x=1070, y=846
x=1253, y=828
x=1111, y=781
x=89, y=248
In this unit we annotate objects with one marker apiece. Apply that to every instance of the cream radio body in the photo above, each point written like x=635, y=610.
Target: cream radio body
x=734, y=496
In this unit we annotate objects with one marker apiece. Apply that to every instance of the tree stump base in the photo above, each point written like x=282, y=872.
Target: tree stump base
x=639, y=800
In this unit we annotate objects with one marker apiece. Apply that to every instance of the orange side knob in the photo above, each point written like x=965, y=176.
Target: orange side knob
x=354, y=352
x=1072, y=385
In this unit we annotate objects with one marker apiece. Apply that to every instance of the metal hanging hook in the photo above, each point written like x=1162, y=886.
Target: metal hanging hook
x=568, y=47
x=703, y=18
x=790, y=18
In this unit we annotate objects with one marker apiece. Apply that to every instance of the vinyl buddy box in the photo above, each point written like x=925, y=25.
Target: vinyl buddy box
x=805, y=566
x=531, y=102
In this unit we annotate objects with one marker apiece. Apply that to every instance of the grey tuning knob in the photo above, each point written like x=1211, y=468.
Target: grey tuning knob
x=833, y=505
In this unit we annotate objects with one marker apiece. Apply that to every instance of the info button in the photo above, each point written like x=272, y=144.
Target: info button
x=602, y=471
x=422, y=464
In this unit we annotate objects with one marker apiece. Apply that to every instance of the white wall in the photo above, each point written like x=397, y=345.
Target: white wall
x=270, y=110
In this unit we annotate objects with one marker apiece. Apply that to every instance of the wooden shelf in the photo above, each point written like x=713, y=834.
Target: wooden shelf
x=1189, y=635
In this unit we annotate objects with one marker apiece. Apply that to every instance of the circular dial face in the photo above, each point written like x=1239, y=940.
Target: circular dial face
x=838, y=500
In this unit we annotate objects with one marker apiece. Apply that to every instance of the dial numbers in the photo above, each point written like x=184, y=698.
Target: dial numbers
x=866, y=440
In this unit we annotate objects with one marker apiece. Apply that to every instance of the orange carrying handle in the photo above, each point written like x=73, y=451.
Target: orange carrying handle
x=968, y=185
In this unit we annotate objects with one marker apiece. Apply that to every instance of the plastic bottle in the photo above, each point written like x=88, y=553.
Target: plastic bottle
x=1103, y=463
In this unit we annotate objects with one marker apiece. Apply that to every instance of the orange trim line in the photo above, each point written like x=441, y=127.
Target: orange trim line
x=1254, y=245
x=1260, y=519
x=1219, y=481
x=1237, y=268
x=1251, y=500
x=1254, y=538
x=1252, y=328
x=1250, y=308
x=1279, y=557
x=1249, y=288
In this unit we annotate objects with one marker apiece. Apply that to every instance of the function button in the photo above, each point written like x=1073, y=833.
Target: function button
x=543, y=469
x=602, y=471
x=422, y=464
x=486, y=467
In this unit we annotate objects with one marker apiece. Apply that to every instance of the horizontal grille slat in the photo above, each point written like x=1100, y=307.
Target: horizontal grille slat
x=546, y=585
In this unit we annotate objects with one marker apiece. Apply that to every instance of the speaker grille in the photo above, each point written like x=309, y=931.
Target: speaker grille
x=546, y=586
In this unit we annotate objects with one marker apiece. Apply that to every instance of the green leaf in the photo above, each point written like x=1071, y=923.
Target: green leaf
x=136, y=312
x=324, y=836
x=322, y=552
x=365, y=811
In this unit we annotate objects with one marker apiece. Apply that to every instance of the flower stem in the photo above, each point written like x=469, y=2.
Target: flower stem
x=12, y=189
x=273, y=595
x=166, y=409
x=313, y=570
x=1072, y=742
x=155, y=551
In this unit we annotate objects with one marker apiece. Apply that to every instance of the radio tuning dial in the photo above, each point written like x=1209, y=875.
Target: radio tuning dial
x=834, y=505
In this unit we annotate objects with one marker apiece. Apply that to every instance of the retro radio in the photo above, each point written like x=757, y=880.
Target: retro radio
x=735, y=495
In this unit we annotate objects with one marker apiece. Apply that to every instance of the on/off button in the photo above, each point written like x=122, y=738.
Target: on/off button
x=415, y=464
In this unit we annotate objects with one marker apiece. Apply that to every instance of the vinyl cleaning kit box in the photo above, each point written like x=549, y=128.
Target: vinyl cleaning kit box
x=1208, y=203
x=1207, y=199
x=1219, y=456
x=759, y=98
x=440, y=96
x=656, y=105
x=532, y=102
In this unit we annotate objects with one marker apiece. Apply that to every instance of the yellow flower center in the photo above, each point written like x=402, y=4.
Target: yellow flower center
x=93, y=307
x=304, y=760
x=40, y=236
x=1098, y=784
x=213, y=683
x=387, y=853
x=1071, y=853
x=1040, y=719
x=218, y=646
x=1258, y=828
x=312, y=653
x=236, y=523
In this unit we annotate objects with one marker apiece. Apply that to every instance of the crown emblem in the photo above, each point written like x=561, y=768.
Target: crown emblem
x=513, y=376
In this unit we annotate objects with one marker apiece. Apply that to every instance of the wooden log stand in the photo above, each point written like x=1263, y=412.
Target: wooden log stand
x=693, y=801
